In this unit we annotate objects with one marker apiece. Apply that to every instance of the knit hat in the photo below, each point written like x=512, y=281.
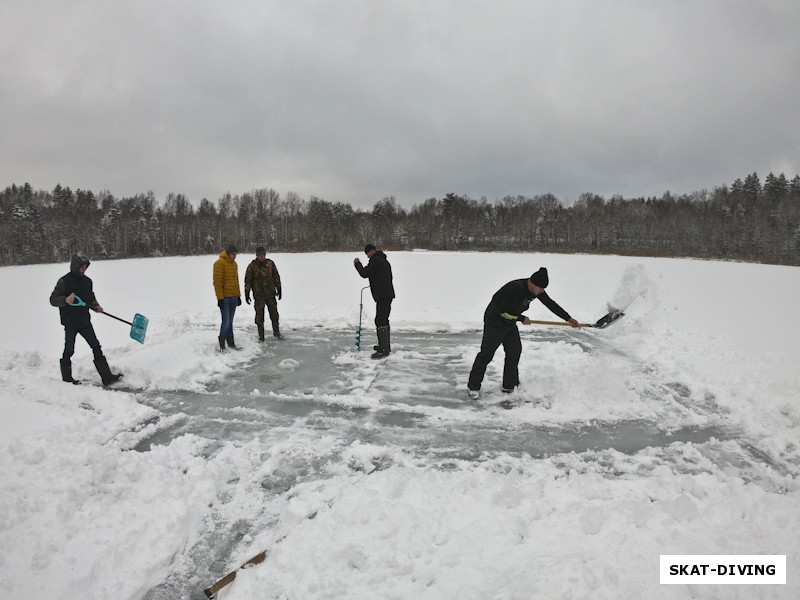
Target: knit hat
x=261, y=250
x=540, y=278
x=232, y=249
x=368, y=247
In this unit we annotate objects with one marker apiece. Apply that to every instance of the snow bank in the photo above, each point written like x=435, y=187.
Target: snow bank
x=507, y=528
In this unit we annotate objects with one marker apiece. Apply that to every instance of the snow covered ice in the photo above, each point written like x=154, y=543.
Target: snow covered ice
x=674, y=431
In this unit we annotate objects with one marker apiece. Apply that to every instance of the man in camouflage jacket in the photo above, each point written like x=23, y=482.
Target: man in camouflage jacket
x=263, y=280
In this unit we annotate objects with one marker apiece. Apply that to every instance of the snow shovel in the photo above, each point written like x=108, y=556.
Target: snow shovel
x=138, y=327
x=602, y=322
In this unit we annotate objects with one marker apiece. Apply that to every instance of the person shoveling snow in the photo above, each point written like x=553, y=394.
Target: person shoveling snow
x=76, y=319
x=499, y=327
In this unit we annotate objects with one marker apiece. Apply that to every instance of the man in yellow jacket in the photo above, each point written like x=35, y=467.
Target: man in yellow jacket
x=226, y=287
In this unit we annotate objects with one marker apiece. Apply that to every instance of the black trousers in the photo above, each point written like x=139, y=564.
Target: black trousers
x=495, y=333
x=87, y=333
x=383, y=306
x=272, y=307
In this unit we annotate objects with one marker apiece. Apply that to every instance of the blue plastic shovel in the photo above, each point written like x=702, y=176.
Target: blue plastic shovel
x=138, y=327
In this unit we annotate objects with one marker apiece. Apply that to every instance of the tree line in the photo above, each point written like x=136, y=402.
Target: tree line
x=748, y=220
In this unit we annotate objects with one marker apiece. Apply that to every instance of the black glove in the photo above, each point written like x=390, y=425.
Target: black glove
x=280, y=294
x=246, y=298
x=220, y=302
x=238, y=300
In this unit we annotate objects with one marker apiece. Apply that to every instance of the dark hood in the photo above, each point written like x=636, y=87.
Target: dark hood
x=76, y=263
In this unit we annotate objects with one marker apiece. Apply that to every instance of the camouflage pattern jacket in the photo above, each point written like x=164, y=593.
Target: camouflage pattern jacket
x=262, y=279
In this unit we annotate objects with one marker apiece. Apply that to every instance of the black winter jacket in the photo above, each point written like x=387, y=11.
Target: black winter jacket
x=76, y=283
x=379, y=272
x=514, y=298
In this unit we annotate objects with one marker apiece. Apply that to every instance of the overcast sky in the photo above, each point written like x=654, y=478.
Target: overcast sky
x=354, y=101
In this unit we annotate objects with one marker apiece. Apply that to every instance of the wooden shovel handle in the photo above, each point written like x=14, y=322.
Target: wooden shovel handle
x=211, y=591
x=558, y=323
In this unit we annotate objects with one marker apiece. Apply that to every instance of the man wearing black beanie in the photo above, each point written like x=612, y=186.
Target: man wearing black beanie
x=500, y=327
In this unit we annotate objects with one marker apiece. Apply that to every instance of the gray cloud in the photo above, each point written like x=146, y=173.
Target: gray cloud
x=355, y=101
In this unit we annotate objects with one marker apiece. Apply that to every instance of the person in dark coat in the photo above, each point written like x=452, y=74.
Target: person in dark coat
x=379, y=272
x=77, y=319
x=500, y=327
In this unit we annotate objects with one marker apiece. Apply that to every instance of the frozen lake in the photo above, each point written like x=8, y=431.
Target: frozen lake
x=674, y=431
x=314, y=384
x=303, y=382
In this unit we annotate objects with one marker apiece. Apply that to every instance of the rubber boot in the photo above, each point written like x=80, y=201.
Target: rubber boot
x=383, y=342
x=221, y=343
x=101, y=364
x=66, y=372
x=231, y=343
x=276, y=331
x=260, y=332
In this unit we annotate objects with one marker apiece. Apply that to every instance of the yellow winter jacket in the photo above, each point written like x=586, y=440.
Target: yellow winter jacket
x=226, y=276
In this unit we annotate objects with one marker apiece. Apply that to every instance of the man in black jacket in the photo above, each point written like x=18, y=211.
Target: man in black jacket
x=379, y=272
x=77, y=320
x=500, y=327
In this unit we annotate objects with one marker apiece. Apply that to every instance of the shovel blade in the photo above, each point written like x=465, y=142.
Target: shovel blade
x=139, y=327
x=608, y=319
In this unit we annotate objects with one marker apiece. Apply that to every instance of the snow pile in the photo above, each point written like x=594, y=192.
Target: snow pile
x=511, y=529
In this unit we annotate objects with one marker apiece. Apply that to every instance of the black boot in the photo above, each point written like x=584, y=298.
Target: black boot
x=260, y=332
x=66, y=372
x=231, y=343
x=105, y=371
x=276, y=331
x=383, y=342
x=221, y=343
